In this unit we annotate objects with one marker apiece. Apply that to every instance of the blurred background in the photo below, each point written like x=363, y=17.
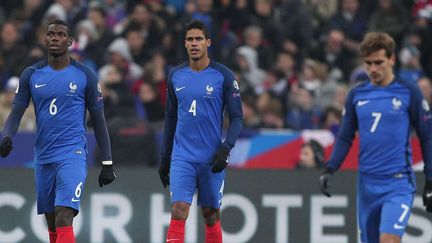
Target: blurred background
x=295, y=61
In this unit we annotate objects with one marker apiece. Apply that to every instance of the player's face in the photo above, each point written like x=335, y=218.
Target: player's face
x=196, y=44
x=379, y=67
x=57, y=39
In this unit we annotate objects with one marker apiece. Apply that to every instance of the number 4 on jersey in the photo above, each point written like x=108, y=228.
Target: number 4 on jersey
x=193, y=107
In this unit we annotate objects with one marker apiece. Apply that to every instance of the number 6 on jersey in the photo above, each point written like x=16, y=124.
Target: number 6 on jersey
x=53, y=107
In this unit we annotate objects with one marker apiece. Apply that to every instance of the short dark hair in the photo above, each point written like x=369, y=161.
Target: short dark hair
x=61, y=22
x=375, y=41
x=197, y=24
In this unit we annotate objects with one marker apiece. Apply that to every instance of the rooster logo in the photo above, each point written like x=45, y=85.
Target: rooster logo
x=72, y=87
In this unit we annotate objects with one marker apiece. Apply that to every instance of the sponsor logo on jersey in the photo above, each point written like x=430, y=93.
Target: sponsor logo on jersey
x=362, y=102
x=72, y=87
x=37, y=86
x=209, y=89
x=397, y=103
x=180, y=88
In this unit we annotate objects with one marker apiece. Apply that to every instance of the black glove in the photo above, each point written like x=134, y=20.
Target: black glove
x=324, y=181
x=164, y=170
x=107, y=175
x=5, y=146
x=427, y=196
x=220, y=159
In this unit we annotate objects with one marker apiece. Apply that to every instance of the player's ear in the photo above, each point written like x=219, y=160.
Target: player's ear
x=70, y=42
x=208, y=42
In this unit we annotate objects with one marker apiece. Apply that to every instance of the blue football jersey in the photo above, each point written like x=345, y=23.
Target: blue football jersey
x=383, y=117
x=195, y=106
x=60, y=98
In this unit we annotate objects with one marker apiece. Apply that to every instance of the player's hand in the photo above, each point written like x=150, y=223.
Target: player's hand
x=107, y=175
x=324, y=181
x=220, y=159
x=5, y=146
x=427, y=196
x=164, y=171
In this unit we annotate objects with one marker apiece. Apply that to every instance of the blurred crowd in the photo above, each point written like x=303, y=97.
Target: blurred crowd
x=295, y=60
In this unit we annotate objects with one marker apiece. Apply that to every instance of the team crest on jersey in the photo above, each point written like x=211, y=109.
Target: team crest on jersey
x=397, y=103
x=425, y=105
x=72, y=87
x=209, y=89
x=235, y=85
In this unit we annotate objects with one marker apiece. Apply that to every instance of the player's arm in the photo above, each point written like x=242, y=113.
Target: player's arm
x=234, y=109
x=232, y=101
x=169, y=131
x=421, y=118
x=19, y=106
x=94, y=104
x=343, y=143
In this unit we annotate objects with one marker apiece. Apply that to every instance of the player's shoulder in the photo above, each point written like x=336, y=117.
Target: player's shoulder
x=411, y=86
x=83, y=68
x=36, y=66
x=179, y=68
x=361, y=85
x=30, y=70
x=221, y=68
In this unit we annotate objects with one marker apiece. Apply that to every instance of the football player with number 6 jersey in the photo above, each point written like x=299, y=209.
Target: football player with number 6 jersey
x=61, y=90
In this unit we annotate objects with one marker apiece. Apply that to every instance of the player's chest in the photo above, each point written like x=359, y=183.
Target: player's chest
x=390, y=107
x=198, y=89
x=57, y=86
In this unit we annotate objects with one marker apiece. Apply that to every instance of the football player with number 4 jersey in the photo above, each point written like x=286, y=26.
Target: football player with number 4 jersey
x=61, y=90
x=193, y=155
x=382, y=110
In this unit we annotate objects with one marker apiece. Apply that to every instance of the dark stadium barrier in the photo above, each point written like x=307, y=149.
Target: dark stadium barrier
x=258, y=206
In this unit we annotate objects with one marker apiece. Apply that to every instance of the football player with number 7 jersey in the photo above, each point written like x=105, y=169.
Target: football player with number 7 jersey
x=61, y=89
x=193, y=155
x=382, y=110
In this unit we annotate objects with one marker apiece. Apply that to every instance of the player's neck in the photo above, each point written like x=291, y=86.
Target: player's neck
x=58, y=62
x=388, y=80
x=199, y=65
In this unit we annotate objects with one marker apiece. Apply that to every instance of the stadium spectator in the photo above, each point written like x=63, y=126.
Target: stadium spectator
x=311, y=155
x=11, y=49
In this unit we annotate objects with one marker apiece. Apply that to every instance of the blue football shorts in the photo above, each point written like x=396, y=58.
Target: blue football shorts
x=384, y=205
x=59, y=184
x=186, y=178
